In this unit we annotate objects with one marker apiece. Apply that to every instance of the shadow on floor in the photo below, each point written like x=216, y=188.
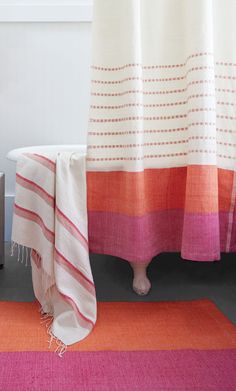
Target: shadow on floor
x=172, y=279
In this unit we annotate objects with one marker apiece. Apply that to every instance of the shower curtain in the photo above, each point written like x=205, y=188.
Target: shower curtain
x=162, y=133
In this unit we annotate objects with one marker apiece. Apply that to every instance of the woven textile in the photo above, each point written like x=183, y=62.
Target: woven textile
x=162, y=132
x=154, y=346
x=50, y=218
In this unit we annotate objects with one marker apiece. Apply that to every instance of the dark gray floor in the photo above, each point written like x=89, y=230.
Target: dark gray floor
x=172, y=279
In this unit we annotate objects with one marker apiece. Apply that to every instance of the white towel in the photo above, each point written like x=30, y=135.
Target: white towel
x=50, y=218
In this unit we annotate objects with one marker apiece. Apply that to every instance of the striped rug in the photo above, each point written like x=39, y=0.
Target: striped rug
x=134, y=346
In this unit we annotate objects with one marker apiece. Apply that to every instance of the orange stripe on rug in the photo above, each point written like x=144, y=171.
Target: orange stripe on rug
x=126, y=326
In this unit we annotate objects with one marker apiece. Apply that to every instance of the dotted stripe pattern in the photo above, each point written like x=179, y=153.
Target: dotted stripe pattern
x=164, y=155
x=130, y=132
x=160, y=80
x=203, y=138
x=161, y=66
x=159, y=92
x=152, y=105
x=161, y=118
x=208, y=89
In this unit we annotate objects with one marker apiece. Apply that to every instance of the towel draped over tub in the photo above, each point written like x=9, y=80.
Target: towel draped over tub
x=50, y=218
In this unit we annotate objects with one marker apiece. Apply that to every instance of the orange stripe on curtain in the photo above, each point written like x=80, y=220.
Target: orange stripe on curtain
x=197, y=189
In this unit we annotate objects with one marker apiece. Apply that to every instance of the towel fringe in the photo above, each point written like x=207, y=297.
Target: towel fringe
x=23, y=254
x=61, y=347
x=47, y=320
x=13, y=246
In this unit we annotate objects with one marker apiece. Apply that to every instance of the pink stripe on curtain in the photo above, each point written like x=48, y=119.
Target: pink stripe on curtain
x=158, y=105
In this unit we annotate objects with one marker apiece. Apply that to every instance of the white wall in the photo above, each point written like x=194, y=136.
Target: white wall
x=44, y=86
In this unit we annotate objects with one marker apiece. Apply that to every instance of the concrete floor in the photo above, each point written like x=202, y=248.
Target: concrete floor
x=172, y=279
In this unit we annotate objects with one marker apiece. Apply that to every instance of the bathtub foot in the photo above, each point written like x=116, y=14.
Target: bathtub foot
x=141, y=283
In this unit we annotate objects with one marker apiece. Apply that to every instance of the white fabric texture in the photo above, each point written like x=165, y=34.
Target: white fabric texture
x=163, y=84
x=50, y=217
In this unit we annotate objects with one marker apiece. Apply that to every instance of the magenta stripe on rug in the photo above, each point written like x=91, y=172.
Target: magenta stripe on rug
x=192, y=370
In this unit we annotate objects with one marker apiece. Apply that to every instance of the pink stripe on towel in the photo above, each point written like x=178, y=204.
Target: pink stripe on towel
x=84, y=321
x=30, y=185
x=75, y=272
x=32, y=216
x=42, y=160
x=71, y=227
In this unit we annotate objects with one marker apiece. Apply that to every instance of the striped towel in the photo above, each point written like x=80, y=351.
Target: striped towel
x=50, y=218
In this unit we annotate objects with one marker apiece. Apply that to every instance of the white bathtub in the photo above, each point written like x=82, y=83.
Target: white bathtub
x=15, y=153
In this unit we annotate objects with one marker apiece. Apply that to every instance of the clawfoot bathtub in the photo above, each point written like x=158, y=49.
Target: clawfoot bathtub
x=15, y=153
